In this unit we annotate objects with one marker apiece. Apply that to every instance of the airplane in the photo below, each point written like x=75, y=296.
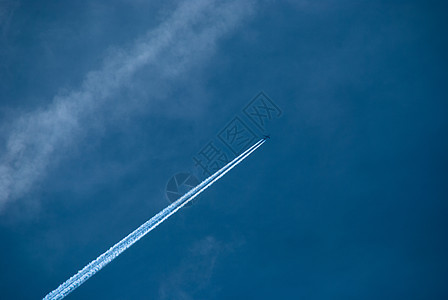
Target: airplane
x=267, y=137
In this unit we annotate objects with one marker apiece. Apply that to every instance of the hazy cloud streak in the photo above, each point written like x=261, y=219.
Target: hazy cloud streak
x=36, y=139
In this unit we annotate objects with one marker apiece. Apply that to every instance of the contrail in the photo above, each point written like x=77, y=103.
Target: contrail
x=105, y=258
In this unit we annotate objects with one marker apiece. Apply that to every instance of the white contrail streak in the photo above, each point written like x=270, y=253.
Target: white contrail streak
x=105, y=258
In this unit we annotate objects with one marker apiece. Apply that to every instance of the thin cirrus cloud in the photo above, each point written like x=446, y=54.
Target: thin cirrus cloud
x=195, y=271
x=38, y=138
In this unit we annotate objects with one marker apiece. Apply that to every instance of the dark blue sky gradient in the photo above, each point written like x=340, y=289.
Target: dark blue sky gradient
x=347, y=200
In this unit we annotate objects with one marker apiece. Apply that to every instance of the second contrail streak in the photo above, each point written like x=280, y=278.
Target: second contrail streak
x=105, y=258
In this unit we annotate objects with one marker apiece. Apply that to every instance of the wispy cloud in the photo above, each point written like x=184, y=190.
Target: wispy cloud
x=195, y=271
x=7, y=9
x=39, y=138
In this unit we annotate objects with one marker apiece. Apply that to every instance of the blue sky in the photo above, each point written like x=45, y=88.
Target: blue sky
x=100, y=104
